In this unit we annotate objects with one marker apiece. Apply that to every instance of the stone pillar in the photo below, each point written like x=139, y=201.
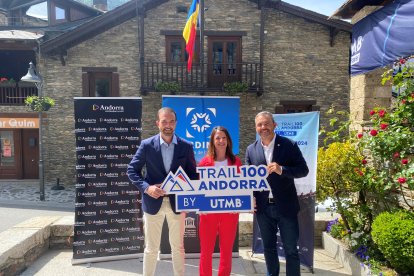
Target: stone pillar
x=367, y=92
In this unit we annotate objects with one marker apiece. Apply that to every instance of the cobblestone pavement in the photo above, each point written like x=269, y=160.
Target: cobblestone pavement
x=27, y=191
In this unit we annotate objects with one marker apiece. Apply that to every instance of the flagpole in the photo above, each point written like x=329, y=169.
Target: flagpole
x=202, y=42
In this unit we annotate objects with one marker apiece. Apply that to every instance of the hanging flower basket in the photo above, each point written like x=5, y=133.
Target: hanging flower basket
x=39, y=104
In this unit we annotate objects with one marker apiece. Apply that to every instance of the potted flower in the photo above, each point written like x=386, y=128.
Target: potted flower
x=5, y=82
x=39, y=104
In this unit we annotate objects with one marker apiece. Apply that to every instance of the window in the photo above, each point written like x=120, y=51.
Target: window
x=175, y=49
x=100, y=82
x=60, y=13
x=296, y=106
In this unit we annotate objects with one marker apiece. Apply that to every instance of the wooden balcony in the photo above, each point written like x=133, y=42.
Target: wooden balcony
x=214, y=76
x=15, y=94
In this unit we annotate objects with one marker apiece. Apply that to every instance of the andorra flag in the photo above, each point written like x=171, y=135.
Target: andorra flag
x=189, y=32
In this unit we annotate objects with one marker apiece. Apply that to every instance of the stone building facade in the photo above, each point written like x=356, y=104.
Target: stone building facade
x=305, y=63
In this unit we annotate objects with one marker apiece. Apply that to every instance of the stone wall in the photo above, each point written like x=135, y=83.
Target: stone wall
x=300, y=64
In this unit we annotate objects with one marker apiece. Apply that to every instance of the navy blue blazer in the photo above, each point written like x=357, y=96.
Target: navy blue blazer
x=287, y=154
x=149, y=156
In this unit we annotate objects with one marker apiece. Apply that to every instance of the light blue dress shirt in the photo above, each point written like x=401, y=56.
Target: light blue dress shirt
x=167, y=152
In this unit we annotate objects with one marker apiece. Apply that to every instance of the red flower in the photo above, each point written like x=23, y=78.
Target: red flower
x=396, y=155
x=381, y=113
x=372, y=112
x=404, y=161
x=373, y=132
x=3, y=79
x=360, y=135
x=403, y=101
x=402, y=61
x=402, y=180
x=383, y=126
x=364, y=161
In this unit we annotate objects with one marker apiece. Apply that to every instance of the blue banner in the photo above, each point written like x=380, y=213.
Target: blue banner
x=383, y=37
x=197, y=116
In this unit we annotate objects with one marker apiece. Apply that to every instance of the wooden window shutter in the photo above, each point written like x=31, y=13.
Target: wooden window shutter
x=115, y=85
x=85, y=84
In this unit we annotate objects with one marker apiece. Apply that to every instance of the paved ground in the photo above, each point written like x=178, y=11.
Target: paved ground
x=25, y=194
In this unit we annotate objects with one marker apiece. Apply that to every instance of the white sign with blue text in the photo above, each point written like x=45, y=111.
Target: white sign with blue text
x=219, y=189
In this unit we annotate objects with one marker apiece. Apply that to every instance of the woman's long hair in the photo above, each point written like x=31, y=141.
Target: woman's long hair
x=212, y=149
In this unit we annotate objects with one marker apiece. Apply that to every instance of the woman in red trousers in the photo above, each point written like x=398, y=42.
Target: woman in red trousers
x=224, y=224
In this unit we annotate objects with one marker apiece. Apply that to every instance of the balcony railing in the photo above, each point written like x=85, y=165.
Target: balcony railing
x=12, y=94
x=215, y=75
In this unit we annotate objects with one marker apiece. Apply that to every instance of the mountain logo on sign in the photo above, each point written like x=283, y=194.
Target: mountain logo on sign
x=177, y=182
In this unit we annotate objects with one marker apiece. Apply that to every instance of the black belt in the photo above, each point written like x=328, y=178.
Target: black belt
x=271, y=200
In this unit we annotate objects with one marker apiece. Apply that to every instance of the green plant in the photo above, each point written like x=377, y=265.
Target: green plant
x=171, y=87
x=4, y=80
x=233, y=87
x=394, y=235
x=39, y=104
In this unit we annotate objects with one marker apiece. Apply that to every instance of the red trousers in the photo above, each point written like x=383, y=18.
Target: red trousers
x=225, y=225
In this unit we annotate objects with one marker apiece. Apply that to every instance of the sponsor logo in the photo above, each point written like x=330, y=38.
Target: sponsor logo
x=86, y=232
x=109, y=138
x=79, y=185
x=97, y=129
x=130, y=138
x=79, y=204
x=86, y=252
x=109, y=174
x=98, y=166
x=120, y=202
x=86, y=213
x=119, y=239
x=120, y=221
x=131, y=229
x=136, y=200
x=131, y=211
x=109, y=212
x=109, y=156
x=136, y=219
x=98, y=185
x=80, y=148
x=109, y=121
x=98, y=147
x=120, y=147
x=80, y=167
x=79, y=223
x=87, y=138
x=109, y=250
x=136, y=129
x=120, y=183
x=127, y=156
x=87, y=194
x=99, y=241
x=87, y=175
x=119, y=165
x=98, y=203
x=109, y=231
x=199, y=122
x=130, y=120
x=87, y=157
x=131, y=248
x=108, y=108
x=98, y=222
x=87, y=121
x=129, y=192
x=80, y=130
x=109, y=193
x=79, y=243
x=119, y=129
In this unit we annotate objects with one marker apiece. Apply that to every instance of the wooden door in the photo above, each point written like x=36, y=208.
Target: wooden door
x=10, y=154
x=30, y=156
x=224, y=60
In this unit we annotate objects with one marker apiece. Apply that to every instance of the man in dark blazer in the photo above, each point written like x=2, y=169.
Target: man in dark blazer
x=159, y=155
x=279, y=207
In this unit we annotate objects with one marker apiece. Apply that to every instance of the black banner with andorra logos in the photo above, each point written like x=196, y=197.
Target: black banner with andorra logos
x=108, y=217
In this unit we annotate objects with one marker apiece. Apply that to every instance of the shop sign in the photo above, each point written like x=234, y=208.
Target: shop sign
x=19, y=122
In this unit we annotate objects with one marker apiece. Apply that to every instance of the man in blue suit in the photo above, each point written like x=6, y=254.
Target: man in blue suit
x=161, y=154
x=279, y=207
